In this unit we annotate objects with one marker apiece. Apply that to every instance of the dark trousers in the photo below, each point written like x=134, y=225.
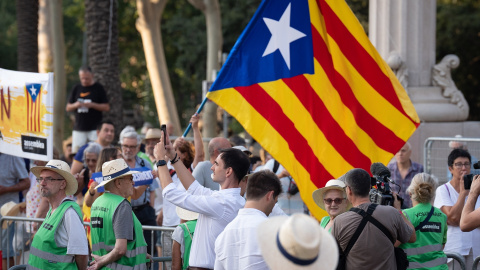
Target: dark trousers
x=146, y=215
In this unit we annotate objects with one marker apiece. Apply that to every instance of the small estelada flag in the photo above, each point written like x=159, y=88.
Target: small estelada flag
x=34, y=92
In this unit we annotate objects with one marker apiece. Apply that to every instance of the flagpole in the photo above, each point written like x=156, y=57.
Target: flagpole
x=198, y=112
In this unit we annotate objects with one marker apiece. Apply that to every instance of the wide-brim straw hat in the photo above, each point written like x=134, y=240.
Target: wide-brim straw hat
x=153, y=133
x=296, y=242
x=331, y=184
x=114, y=169
x=62, y=168
x=186, y=214
x=11, y=209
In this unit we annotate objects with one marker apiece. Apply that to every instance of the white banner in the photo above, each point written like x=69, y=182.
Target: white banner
x=26, y=114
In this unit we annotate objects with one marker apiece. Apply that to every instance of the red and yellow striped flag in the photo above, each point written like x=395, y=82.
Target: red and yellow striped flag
x=304, y=80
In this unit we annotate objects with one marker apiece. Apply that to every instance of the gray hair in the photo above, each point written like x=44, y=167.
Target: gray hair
x=94, y=148
x=131, y=134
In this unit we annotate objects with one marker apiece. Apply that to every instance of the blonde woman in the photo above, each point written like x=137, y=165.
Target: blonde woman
x=430, y=226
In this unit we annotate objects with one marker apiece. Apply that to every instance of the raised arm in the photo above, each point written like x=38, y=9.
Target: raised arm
x=470, y=218
x=166, y=152
x=454, y=213
x=197, y=141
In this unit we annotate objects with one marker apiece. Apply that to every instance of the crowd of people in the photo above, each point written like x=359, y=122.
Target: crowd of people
x=232, y=211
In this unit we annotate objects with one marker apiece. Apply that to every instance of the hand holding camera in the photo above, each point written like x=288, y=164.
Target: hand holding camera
x=472, y=183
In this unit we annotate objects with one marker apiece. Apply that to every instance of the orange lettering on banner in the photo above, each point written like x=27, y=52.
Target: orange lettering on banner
x=4, y=104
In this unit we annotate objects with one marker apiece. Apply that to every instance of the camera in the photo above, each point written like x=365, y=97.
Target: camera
x=380, y=193
x=467, y=181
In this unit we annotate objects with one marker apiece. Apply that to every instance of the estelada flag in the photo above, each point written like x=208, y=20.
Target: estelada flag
x=304, y=80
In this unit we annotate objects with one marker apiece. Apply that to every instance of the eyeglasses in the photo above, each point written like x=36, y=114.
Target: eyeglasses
x=48, y=179
x=129, y=178
x=336, y=200
x=460, y=165
x=132, y=147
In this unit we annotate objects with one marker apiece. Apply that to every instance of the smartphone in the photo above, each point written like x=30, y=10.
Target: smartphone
x=164, y=129
x=467, y=181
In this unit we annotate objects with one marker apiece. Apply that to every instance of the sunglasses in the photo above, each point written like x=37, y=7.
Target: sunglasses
x=337, y=201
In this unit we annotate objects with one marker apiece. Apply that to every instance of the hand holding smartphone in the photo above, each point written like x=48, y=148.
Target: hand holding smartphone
x=164, y=129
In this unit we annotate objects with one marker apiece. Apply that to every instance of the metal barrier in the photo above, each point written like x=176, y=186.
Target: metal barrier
x=475, y=263
x=457, y=257
x=40, y=220
x=436, y=151
x=19, y=267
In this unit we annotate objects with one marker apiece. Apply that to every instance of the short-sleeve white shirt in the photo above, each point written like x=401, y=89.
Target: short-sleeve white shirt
x=71, y=234
x=237, y=246
x=457, y=241
x=216, y=209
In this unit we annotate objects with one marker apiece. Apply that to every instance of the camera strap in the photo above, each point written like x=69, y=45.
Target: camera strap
x=368, y=216
x=360, y=227
x=419, y=226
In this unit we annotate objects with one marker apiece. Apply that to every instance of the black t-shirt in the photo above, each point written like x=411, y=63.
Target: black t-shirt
x=87, y=119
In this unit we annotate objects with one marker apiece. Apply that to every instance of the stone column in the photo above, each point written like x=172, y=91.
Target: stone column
x=403, y=31
x=408, y=28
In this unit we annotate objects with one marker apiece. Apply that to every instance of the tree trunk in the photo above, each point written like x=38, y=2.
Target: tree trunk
x=56, y=24
x=103, y=54
x=211, y=10
x=148, y=24
x=27, y=23
x=45, y=40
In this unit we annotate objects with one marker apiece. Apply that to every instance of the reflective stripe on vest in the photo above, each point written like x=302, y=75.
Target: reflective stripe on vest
x=117, y=266
x=429, y=264
x=51, y=257
x=423, y=250
x=129, y=254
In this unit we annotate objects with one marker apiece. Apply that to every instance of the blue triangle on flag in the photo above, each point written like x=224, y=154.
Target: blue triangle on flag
x=276, y=44
x=33, y=89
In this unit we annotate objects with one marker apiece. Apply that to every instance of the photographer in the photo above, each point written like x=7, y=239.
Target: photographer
x=470, y=219
x=373, y=249
x=450, y=199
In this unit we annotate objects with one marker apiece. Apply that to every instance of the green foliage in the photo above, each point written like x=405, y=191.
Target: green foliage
x=458, y=32
x=185, y=44
x=8, y=35
x=360, y=8
x=184, y=39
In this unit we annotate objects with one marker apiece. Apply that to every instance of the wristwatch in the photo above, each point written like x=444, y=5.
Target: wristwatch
x=161, y=163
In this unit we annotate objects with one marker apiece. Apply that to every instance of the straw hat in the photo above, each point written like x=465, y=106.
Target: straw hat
x=62, y=168
x=186, y=214
x=11, y=209
x=114, y=169
x=296, y=242
x=243, y=149
x=331, y=184
x=153, y=133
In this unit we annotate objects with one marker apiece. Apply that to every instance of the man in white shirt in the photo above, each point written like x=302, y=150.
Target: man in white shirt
x=450, y=198
x=216, y=208
x=237, y=246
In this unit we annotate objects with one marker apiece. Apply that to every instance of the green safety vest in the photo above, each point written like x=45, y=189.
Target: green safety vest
x=187, y=240
x=427, y=251
x=44, y=252
x=103, y=236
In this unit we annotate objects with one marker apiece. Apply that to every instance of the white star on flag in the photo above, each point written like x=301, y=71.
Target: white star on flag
x=282, y=35
x=33, y=90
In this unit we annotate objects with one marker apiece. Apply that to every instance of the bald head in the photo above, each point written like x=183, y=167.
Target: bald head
x=216, y=144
